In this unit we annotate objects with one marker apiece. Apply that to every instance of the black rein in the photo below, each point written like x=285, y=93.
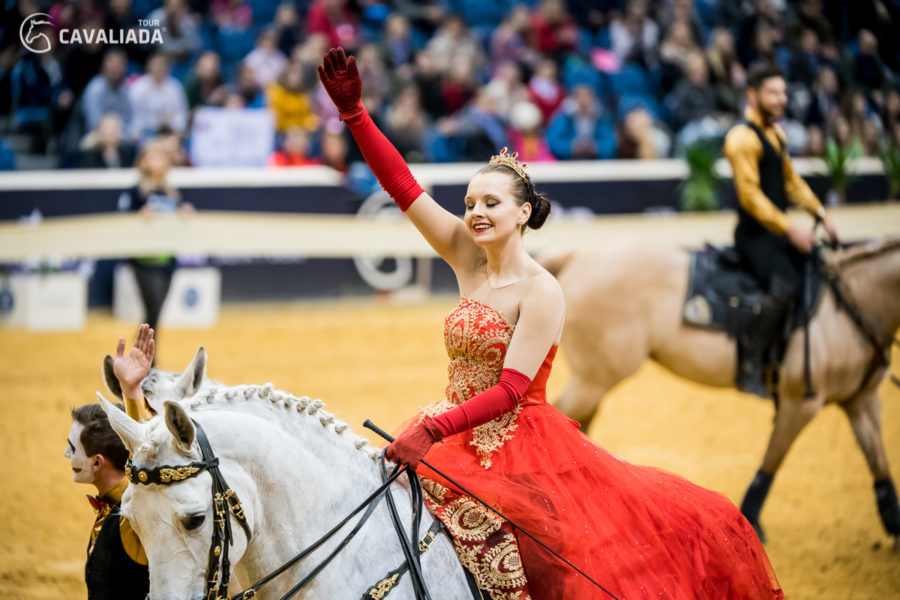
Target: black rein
x=225, y=500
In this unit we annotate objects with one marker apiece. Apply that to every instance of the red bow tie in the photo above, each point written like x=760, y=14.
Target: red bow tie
x=98, y=503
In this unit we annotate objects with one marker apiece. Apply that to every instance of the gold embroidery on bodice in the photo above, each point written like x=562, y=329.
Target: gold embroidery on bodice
x=476, y=337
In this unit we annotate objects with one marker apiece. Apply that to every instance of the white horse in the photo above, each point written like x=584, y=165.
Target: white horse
x=298, y=471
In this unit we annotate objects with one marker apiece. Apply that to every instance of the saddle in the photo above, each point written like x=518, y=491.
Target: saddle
x=723, y=296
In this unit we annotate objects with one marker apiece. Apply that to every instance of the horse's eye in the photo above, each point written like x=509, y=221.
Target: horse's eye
x=192, y=522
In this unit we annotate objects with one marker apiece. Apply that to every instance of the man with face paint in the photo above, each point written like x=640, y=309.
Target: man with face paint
x=772, y=247
x=116, y=567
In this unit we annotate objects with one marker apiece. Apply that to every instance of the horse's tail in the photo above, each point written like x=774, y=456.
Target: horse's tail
x=555, y=260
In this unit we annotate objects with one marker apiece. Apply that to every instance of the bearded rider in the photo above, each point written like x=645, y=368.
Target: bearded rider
x=771, y=246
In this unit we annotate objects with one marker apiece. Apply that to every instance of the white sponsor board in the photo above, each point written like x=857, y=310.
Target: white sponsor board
x=227, y=137
x=192, y=302
x=43, y=302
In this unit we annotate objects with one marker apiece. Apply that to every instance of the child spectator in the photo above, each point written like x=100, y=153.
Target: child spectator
x=294, y=151
x=525, y=133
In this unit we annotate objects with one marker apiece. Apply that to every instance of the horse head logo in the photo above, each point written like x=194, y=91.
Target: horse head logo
x=30, y=33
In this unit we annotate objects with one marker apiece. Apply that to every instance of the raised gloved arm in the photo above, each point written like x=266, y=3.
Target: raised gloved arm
x=412, y=445
x=341, y=79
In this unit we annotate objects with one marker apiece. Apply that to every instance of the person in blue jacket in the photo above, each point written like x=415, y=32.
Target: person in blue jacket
x=579, y=130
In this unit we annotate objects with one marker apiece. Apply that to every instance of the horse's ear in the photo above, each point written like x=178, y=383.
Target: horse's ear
x=179, y=424
x=125, y=427
x=192, y=377
x=109, y=376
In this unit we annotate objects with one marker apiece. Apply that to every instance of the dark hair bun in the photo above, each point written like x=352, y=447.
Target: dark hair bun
x=540, y=210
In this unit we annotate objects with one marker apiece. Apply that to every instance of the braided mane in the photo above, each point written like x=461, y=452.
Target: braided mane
x=277, y=403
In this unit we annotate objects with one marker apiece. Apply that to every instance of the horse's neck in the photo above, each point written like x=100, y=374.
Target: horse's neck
x=874, y=286
x=299, y=475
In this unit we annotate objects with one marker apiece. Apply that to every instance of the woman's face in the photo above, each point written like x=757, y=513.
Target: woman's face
x=492, y=212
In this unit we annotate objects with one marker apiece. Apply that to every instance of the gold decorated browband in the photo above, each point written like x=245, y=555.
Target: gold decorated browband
x=510, y=161
x=166, y=474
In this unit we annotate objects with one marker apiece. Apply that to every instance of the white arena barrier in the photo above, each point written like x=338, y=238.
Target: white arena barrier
x=274, y=235
x=43, y=301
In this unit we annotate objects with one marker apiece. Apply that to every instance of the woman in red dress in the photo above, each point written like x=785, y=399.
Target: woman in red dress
x=639, y=531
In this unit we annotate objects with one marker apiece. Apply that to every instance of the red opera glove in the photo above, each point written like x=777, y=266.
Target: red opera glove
x=486, y=406
x=341, y=79
x=414, y=443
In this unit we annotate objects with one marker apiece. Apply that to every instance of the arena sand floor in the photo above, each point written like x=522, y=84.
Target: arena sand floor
x=379, y=360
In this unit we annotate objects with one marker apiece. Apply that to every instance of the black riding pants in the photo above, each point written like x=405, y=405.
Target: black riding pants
x=153, y=282
x=773, y=261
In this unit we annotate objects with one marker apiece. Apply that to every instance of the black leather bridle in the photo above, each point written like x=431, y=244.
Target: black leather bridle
x=880, y=340
x=224, y=500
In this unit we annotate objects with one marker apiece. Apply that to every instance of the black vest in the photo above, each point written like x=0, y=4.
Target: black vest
x=771, y=182
x=109, y=573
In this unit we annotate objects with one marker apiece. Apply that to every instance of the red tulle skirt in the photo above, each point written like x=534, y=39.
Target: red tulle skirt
x=640, y=532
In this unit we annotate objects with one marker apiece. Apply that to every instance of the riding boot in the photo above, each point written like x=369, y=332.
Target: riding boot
x=764, y=333
x=754, y=499
x=888, y=506
x=750, y=376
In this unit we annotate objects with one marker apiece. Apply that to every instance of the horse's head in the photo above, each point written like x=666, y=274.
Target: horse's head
x=161, y=386
x=175, y=519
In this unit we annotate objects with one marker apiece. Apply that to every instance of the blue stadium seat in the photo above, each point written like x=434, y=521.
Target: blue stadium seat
x=576, y=72
x=629, y=102
x=7, y=157
x=602, y=39
x=632, y=79
x=233, y=45
x=263, y=11
x=443, y=149
x=706, y=11
x=207, y=33
x=142, y=8
x=31, y=93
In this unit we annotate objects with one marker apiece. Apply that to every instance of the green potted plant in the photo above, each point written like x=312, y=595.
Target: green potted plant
x=890, y=160
x=839, y=169
x=698, y=191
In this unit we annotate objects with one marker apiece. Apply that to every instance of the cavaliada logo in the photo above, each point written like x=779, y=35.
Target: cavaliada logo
x=35, y=32
x=37, y=35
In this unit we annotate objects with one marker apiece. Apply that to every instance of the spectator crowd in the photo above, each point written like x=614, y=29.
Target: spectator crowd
x=455, y=80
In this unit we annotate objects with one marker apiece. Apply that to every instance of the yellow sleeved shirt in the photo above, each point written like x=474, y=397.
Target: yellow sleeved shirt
x=137, y=409
x=291, y=109
x=130, y=541
x=743, y=149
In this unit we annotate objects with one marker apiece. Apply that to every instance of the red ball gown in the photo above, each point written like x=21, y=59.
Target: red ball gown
x=639, y=531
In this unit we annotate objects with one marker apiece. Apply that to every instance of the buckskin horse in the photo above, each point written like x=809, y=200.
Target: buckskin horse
x=624, y=304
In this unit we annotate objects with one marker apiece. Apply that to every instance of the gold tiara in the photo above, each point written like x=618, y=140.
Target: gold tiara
x=510, y=161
